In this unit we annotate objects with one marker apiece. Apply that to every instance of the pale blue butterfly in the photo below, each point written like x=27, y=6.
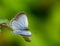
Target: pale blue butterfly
x=19, y=24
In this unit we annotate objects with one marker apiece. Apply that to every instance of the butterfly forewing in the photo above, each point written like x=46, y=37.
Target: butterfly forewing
x=20, y=21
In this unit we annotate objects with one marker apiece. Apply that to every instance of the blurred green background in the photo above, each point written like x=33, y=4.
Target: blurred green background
x=44, y=21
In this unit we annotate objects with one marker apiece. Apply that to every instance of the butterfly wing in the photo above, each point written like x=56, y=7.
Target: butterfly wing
x=20, y=21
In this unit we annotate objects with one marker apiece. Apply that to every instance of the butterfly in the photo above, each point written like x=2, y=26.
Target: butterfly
x=19, y=24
